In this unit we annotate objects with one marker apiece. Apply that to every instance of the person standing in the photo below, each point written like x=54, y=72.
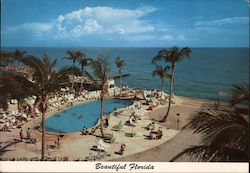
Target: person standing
x=28, y=134
x=122, y=149
x=21, y=135
x=58, y=141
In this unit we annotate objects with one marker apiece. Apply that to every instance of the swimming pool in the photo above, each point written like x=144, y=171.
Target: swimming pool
x=75, y=118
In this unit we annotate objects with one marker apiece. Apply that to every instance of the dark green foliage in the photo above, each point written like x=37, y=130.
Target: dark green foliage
x=224, y=133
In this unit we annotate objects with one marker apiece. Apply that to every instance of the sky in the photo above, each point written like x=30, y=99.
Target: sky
x=124, y=23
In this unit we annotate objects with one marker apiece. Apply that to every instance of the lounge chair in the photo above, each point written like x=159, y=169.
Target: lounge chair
x=131, y=134
x=130, y=123
x=100, y=146
x=118, y=126
x=110, y=138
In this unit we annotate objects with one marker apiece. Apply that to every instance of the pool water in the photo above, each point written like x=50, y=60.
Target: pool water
x=75, y=118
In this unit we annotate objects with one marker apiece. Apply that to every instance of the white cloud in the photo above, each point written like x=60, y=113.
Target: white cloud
x=98, y=22
x=181, y=37
x=167, y=37
x=224, y=21
x=135, y=38
x=91, y=26
x=103, y=20
x=36, y=27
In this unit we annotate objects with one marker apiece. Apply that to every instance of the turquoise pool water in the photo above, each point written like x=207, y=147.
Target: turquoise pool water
x=75, y=118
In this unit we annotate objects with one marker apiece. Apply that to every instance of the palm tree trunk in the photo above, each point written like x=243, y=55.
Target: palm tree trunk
x=19, y=105
x=161, y=86
x=43, y=135
x=120, y=78
x=170, y=93
x=43, y=128
x=73, y=77
x=81, y=83
x=82, y=79
x=101, y=116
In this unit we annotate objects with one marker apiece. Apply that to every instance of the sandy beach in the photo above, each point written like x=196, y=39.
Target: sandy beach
x=184, y=139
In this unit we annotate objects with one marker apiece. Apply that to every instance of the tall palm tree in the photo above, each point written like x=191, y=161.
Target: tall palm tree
x=162, y=73
x=171, y=56
x=224, y=134
x=100, y=67
x=120, y=65
x=73, y=56
x=47, y=81
x=83, y=61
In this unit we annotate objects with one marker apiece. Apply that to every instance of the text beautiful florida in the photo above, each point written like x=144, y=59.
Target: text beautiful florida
x=130, y=167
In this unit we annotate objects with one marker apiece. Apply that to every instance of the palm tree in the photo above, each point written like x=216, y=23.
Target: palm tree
x=18, y=55
x=224, y=137
x=120, y=64
x=74, y=56
x=83, y=61
x=171, y=56
x=5, y=58
x=100, y=67
x=224, y=133
x=47, y=81
x=162, y=73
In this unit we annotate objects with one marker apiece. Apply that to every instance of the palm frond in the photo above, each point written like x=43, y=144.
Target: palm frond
x=240, y=93
x=18, y=54
x=208, y=153
x=6, y=58
x=210, y=122
x=161, y=71
x=160, y=56
x=40, y=68
x=234, y=136
x=99, y=65
x=185, y=52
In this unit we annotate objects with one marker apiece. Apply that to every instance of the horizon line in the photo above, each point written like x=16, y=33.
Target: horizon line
x=111, y=47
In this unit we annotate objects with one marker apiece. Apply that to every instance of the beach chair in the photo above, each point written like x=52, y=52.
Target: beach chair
x=111, y=138
x=131, y=134
x=118, y=126
x=100, y=146
x=130, y=123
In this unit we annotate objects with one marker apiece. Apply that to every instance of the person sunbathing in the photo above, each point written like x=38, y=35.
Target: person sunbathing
x=84, y=131
x=93, y=130
x=131, y=122
x=159, y=133
x=152, y=107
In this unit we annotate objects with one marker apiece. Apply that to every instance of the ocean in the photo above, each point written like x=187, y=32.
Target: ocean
x=204, y=75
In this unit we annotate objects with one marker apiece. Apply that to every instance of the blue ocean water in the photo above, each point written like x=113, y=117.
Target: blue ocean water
x=75, y=118
x=208, y=71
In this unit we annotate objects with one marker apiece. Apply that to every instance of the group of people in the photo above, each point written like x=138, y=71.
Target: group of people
x=28, y=136
x=154, y=134
x=86, y=131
